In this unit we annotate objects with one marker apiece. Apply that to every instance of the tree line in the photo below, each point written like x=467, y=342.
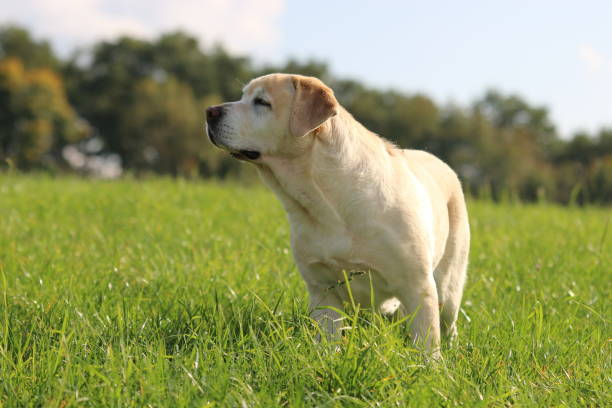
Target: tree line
x=141, y=102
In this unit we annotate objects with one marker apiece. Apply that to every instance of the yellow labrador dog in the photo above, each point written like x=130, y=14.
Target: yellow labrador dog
x=392, y=220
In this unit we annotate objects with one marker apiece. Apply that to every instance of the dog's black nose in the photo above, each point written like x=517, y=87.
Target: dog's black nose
x=213, y=114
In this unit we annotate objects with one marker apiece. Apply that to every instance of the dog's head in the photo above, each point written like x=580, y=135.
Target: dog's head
x=274, y=113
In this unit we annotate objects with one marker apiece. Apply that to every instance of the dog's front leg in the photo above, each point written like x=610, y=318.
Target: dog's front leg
x=323, y=301
x=419, y=297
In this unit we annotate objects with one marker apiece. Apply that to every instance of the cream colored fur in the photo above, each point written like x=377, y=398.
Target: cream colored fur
x=355, y=202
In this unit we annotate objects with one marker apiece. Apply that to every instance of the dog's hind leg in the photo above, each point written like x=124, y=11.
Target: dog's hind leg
x=450, y=274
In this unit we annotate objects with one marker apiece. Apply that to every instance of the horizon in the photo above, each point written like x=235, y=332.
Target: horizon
x=450, y=52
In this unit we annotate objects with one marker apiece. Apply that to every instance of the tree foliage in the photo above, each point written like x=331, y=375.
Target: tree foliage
x=163, y=130
x=36, y=120
x=17, y=42
x=144, y=101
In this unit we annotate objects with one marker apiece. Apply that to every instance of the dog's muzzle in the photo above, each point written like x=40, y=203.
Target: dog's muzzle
x=213, y=117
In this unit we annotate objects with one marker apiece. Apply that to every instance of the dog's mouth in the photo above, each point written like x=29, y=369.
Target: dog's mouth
x=246, y=155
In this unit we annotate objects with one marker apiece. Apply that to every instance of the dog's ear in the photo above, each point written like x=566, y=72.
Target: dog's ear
x=313, y=104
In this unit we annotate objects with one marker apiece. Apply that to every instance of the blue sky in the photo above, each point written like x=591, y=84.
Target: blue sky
x=554, y=53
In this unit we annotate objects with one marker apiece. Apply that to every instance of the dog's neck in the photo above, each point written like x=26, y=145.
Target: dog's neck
x=318, y=185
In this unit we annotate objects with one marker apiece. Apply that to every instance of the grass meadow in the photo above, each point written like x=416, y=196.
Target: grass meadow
x=169, y=293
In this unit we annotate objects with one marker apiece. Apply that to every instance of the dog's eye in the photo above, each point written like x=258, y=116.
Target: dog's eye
x=262, y=102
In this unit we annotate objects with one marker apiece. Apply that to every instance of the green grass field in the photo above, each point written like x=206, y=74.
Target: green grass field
x=166, y=293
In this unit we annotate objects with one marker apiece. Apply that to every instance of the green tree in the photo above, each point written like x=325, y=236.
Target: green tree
x=180, y=55
x=454, y=141
x=412, y=120
x=366, y=105
x=509, y=112
x=164, y=129
x=231, y=73
x=18, y=43
x=109, y=86
x=584, y=168
x=103, y=89
x=145, y=100
x=36, y=120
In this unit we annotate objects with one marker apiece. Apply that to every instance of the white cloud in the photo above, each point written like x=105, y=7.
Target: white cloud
x=595, y=61
x=242, y=25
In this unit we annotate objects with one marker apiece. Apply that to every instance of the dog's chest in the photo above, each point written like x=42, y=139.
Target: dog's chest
x=317, y=243
x=330, y=252
x=333, y=261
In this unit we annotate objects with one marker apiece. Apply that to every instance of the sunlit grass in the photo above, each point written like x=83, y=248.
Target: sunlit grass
x=185, y=294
